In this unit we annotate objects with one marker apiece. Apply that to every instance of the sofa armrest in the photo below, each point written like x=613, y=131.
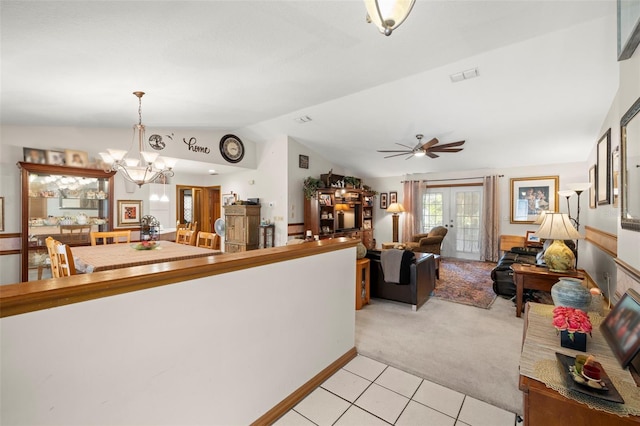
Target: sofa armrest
x=417, y=237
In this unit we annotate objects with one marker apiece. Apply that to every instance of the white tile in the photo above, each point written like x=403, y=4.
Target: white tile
x=479, y=413
x=417, y=414
x=459, y=423
x=292, y=418
x=356, y=416
x=439, y=398
x=399, y=381
x=365, y=367
x=346, y=385
x=382, y=402
x=322, y=407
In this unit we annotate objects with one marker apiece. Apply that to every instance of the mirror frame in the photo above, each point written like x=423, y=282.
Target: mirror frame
x=626, y=223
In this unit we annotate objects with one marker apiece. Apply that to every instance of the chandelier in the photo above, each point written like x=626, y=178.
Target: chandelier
x=388, y=15
x=143, y=166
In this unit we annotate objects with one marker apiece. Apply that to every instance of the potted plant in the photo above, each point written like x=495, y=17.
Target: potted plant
x=351, y=182
x=311, y=186
x=573, y=325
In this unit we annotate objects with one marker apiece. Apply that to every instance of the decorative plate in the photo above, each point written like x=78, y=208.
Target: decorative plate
x=605, y=389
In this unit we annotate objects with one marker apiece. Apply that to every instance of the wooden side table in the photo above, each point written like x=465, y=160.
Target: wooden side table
x=533, y=277
x=362, y=282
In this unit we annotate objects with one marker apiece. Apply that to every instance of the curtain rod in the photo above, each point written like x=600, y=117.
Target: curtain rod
x=442, y=180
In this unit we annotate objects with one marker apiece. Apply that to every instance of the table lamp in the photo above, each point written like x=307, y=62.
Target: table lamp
x=396, y=209
x=558, y=227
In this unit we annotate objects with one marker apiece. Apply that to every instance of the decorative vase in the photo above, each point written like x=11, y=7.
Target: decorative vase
x=361, y=251
x=570, y=292
x=579, y=342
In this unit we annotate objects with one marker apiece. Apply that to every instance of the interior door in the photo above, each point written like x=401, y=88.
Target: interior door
x=459, y=209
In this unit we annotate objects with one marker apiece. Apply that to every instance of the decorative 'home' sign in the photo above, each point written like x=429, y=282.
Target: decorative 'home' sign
x=193, y=146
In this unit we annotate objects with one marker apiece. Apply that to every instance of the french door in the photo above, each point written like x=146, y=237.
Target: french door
x=459, y=209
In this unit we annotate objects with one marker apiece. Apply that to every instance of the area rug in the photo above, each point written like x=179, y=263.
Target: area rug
x=466, y=281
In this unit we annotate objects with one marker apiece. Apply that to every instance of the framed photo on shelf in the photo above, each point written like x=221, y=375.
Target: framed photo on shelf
x=604, y=170
x=593, y=173
x=532, y=240
x=383, y=200
x=129, y=212
x=76, y=158
x=57, y=158
x=532, y=195
x=621, y=328
x=393, y=197
x=325, y=199
x=229, y=199
x=33, y=155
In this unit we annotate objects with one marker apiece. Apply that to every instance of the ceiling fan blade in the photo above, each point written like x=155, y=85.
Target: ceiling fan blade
x=432, y=155
x=427, y=145
x=404, y=150
x=406, y=146
x=409, y=156
x=397, y=155
x=440, y=149
x=451, y=144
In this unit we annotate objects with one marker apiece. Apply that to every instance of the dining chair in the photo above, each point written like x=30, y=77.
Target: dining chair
x=74, y=234
x=110, y=237
x=185, y=236
x=62, y=264
x=191, y=226
x=206, y=240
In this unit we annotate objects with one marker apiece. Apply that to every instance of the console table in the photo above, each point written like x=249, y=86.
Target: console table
x=547, y=401
x=534, y=277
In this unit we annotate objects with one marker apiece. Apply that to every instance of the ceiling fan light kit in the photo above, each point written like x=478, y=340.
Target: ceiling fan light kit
x=429, y=148
x=388, y=15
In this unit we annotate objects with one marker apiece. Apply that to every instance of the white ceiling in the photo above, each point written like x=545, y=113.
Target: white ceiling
x=548, y=74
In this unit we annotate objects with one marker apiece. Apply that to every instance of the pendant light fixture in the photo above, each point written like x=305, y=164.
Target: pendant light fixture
x=143, y=166
x=388, y=15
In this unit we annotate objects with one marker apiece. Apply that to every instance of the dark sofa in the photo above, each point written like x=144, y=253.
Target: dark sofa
x=418, y=283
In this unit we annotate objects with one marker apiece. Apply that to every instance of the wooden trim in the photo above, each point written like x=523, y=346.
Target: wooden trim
x=11, y=235
x=630, y=270
x=33, y=296
x=8, y=252
x=299, y=394
x=295, y=229
x=605, y=241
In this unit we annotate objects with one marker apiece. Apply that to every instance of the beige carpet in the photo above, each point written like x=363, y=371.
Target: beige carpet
x=471, y=350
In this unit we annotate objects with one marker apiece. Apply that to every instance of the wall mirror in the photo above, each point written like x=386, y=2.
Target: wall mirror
x=630, y=168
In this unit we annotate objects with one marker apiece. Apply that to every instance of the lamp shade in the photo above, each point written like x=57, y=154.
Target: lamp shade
x=387, y=15
x=557, y=226
x=395, y=208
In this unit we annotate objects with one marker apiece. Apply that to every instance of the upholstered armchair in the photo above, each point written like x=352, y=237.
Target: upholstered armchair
x=428, y=243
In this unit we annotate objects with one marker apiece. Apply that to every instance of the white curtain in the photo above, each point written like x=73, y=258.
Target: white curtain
x=491, y=230
x=412, y=203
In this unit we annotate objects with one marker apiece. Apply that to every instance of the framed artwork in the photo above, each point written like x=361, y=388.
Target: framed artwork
x=393, y=197
x=532, y=240
x=628, y=28
x=604, y=170
x=229, y=199
x=615, y=176
x=621, y=328
x=32, y=155
x=76, y=158
x=57, y=158
x=530, y=196
x=1, y=213
x=129, y=212
x=325, y=199
x=593, y=173
x=383, y=200
x=303, y=161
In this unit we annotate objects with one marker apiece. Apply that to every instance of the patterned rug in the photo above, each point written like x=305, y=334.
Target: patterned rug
x=466, y=281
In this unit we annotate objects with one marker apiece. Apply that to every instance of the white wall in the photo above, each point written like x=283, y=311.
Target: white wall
x=205, y=351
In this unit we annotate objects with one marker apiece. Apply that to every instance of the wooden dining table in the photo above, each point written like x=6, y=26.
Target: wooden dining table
x=115, y=256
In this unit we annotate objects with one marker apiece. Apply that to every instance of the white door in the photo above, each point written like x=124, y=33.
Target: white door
x=459, y=209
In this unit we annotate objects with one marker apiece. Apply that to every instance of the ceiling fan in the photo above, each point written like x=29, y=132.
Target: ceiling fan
x=428, y=148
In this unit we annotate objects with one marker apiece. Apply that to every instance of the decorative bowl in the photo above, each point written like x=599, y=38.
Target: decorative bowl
x=145, y=245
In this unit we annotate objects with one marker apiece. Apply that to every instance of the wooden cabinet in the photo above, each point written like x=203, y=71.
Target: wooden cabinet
x=242, y=225
x=339, y=212
x=65, y=203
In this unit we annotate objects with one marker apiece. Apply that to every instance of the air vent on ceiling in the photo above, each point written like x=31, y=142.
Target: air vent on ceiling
x=464, y=75
x=303, y=119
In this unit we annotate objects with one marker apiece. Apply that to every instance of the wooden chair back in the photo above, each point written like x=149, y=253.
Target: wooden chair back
x=206, y=240
x=185, y=236
x=191, y=226
x=74, y=234
x=62, y=264
x=110, y=237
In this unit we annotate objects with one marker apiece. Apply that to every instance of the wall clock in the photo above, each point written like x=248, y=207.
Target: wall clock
x=231, y=148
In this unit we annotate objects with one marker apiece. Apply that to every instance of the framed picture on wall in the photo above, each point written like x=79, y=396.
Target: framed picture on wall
x=129, y=212
x=383, y=200
x=531, y=196
x=303, y=161
x=393, y=197
x=621, y=328
x=592, y=190
x=604, y=170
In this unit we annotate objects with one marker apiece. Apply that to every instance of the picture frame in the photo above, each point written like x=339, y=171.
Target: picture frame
x=383, y=200
x=34, y=155
x=593, y=173
x=56, y=158
x=229, y=199
x=615, y=176
x=621, y=328
x=532, y=240
x=303, y=161
x=75, y=158
x=393, y=197
x=603, y=181
x=129, y=212
x=628, y=29
x=2, y=214
x=325, y=199
x=531, y=195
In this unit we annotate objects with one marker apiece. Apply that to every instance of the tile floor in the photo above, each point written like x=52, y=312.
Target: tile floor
x=366, y=392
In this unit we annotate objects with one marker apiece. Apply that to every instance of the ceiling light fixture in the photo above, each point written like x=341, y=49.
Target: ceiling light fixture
x=148, y=166
x=388, y=15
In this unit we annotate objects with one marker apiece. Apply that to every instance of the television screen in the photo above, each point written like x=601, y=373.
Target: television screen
x=621, y=328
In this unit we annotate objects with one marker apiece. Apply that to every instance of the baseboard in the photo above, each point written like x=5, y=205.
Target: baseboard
x=299, y=394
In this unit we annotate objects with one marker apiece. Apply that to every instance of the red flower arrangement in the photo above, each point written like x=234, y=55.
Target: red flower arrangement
x=571, y=319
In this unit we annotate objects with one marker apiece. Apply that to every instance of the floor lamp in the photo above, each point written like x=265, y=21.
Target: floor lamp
x=396, y=209
x=576, y=188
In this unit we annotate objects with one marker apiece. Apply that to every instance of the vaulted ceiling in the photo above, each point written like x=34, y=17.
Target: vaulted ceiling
x=547, y=74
